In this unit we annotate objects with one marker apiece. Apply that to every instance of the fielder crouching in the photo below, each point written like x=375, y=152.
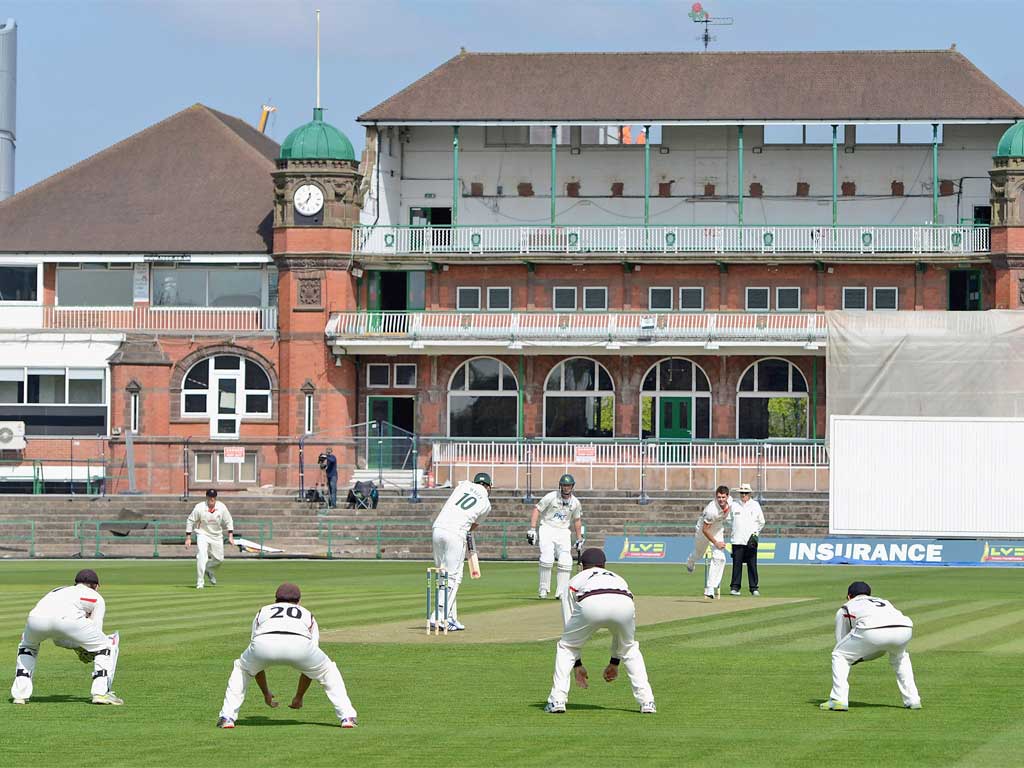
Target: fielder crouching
x=73, y=618
x=599, y=598
x=285, y=633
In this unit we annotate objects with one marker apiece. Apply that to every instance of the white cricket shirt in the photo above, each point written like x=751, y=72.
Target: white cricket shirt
x=747, y=519
x=868, y=612
x=714, y=515
x=467, y=505
x=210, y=523
x=285, y=618
x=597, y=579
x=74, y=602
x=558, y=512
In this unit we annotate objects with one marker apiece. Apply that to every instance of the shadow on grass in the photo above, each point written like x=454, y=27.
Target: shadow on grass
x=860, y=705
x=59, y=698
x=258, y=720
x=573, y=707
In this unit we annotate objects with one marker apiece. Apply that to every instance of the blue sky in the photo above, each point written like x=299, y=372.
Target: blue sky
x=92, y=72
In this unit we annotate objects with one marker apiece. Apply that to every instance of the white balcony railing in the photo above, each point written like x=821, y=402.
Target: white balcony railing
x=626, y=327
x=168, y=320
x=541, y=239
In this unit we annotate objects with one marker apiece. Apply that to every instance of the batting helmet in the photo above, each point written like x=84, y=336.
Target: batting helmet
x=482, y=478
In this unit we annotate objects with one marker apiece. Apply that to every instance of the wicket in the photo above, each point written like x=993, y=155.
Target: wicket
x=437, y=582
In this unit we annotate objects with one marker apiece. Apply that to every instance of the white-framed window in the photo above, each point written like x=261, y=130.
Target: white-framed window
x=227, y=386
x=133, y=413
x=772, y=401
x=659, y=299
x=21, y=284
x=787, y=299
x=579, y=400
x=483, y=400
x=803, y=134
x=541, y=134
x=758, y=299
x=675, y=397
x=506, y=135
x=405, y=375
x=307, y=419
x=378, y=375
x=618, y=135
x=892, y=133
x=467, y=299
x=210, y=467
x=94, y=285
x=563, y=299
x=499, y=299
x=595, y=299
x=886, y=299
x=53, y=386
x=691, y=299
x=855, y=298
x=236, y=285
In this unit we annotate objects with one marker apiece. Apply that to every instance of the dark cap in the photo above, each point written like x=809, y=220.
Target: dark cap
x=212, y=493
x=288, y=593
x=87, y=576
x=592, y=557
x=858, y=588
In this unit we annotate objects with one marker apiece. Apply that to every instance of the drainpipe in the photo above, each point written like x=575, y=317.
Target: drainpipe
x=835, y=174
x=554, y=145
x=455, y=176
x=522, y=384
x=935, y=174
x=647, y=175
x=740, y=173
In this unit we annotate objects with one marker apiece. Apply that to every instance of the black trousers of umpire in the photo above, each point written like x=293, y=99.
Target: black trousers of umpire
x=744, y=553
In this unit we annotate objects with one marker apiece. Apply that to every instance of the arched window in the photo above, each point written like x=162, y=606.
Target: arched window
x=771, y=401
x=675, y=401
x=226, y=389
x=579, y=400
x=483, y=400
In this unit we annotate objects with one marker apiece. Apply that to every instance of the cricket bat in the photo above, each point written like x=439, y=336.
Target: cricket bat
x=474, y=561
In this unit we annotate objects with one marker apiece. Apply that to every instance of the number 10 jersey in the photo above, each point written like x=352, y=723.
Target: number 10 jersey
x=467, y=505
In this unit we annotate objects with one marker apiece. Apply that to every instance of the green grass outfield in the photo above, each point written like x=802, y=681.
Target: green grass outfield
x=734, y=689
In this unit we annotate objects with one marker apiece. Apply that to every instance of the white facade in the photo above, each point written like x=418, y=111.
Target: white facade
x=416, y=171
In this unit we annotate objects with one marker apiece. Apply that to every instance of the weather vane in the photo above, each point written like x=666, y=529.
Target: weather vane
x=698, y=15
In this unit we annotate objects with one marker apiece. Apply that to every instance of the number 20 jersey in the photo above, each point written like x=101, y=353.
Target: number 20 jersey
x=467, y=504
x=284, y=618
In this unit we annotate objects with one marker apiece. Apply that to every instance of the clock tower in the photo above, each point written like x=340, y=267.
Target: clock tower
x=316, y=208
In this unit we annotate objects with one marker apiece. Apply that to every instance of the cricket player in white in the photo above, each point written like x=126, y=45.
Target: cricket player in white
x=709, y=531
x=462, y=513
x=866, y=628
x=210, y=520
x=556, y=512
x=73, y=618
x=599, y=598
x=285, y=633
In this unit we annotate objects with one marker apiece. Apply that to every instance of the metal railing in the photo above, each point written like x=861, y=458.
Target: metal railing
x=643, y=529
x=697, y=238
x=100, y=532
x=383, y=533
x=639, y=465
x=699, y=327
x=29, y=538
x=166, y=320
x=68, y=475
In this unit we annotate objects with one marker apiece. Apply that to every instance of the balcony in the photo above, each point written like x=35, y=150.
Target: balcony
x=670, y=240
x=470, y=333
x=143, y=318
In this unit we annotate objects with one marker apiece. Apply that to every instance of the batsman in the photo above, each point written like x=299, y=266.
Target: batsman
x=556, y=512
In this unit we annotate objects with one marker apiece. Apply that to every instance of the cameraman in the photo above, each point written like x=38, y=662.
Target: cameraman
x=329, y=464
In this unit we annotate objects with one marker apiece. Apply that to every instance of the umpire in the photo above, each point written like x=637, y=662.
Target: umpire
x=747, y=523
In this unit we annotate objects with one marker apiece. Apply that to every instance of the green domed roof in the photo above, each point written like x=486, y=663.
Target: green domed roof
x=1012, y=143
x=317, y=140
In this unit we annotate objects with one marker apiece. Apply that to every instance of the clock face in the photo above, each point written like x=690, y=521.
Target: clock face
x=309, y=199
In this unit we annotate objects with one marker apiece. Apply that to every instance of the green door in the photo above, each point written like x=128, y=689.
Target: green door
x=378, y=444
x=675, y=418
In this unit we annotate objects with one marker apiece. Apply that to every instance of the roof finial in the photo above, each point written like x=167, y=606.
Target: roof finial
x=318, y=58
x=462, y=50
x=952, y=47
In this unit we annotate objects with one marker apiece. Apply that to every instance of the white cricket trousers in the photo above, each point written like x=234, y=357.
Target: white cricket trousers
x=717, y=566
x=209, y=555
x=867, y=644
x=450, y=554
x=65, y=633
x=555, y=544
x=294, y=651
x=615, y=613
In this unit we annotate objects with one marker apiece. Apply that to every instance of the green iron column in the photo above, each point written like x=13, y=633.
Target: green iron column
x=554, y=146
x=521, y=433
x=740, y=174
x=647, y=175
x=814, y=399
x=935, y=174
x=456, y=191
x=835, y=174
